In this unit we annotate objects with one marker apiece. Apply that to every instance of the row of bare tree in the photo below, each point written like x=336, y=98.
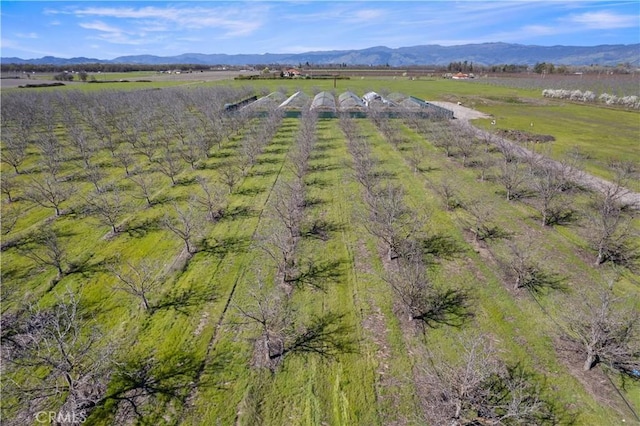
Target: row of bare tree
x=283, y=333
x=549, y=187
x=55, y=357
x=606, y=330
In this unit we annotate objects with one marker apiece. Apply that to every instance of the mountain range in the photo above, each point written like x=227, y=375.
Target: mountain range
x=482, y=54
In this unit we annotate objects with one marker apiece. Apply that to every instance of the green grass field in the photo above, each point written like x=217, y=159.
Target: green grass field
x=195, y=349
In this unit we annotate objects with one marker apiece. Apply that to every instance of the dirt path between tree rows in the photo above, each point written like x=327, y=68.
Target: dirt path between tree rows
x=584, y=179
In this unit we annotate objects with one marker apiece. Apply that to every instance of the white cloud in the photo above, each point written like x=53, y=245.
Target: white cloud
x=232, y=20
x=100, y=26
x=365, y=15
x=604, y=20
x=539, y=30
x=31, y=35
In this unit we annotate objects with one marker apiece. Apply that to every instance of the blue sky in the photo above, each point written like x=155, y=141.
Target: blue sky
x=105, y=30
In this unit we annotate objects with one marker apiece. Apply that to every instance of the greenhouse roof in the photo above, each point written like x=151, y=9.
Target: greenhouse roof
x=324, y=101
x=349, y=102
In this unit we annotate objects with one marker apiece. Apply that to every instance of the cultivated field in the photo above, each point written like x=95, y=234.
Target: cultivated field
x=164, y=262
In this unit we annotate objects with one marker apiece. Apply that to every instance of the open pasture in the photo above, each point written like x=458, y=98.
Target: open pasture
x=166, y=263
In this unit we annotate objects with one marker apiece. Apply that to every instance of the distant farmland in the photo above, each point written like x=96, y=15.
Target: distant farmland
x=167, y=262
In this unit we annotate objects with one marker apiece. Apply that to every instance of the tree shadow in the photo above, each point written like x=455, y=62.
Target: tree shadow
x=186, y=181
x=160, y=199
x=541, y=282
x=222, y=247
x=268, y=160
x=450, y=307
x=140, y=383
x=491, y=232
x=238, y=212
x=326, y=336
x=142, y=228
x=321, y=229
x=86, y=267
x=319, y=155
x=276, y=149
x=439, y=247
x=310, y=202
x=317, y=168
x=250, y=191
x=317, y=182
x=563, y=217
x=221, y=154
x=318, y=274
x=385, y=174
x=181, y=301
x=324, y=144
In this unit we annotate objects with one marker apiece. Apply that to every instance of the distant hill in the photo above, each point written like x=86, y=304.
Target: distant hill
x=483, y=54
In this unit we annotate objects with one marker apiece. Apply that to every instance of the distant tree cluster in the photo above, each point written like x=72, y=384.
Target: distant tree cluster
x=464, y=66
x=63, y=76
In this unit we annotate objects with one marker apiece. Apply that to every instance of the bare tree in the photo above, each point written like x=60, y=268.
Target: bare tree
x=441, y=134
x=126, y=158
x=46, y=249
x=608, y=332
x=51, y=153
x=479, y=388
x=10, y=216
x=512, y=176
x=48, y=192
x=464, y=141
x=189, y=150
x=186, y=225
x=417, y=154
x=108, y=207
x=483, y=224
x=145, y=184
x=213, y=199
x=169, y=165
x=288, y=206
x=140, y=280
x=275, y=240
x=282, y=334
x=149, y=146
x=80, y=143
x=549, y=183
x=230, y=175
x=14, y=150
x=527, y=270
x=610, y=231
x=390, y=219
x=272, y=314
x=280, y=239
x=364, y=164
x=422, y=301
x=450, y=193
x=95, y=174
x=8, y=184
x=65, y=346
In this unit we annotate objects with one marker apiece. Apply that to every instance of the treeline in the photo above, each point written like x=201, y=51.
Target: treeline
x=100, y=67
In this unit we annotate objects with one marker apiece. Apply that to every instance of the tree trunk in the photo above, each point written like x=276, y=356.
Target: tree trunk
x=601, y=257
x=591, y=361
x=145, y=302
